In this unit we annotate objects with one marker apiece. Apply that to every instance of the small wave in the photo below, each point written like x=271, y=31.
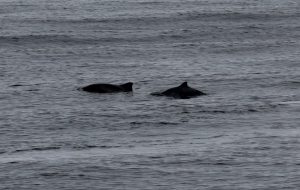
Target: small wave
x=216, y=136
x=237, y=111
x=13, y=162
x=39, y=38
x=56, y=174
x=28, y=86
x=38, y=149
x=153, y=2
x=160, y=122
x=66, y=39
x=294, y=82
x=76, y=147
x=156, y=157
x=137, y=124
x=205, y=162
x=50, y=174
x=33, y=39
x=236, y=15
x=19, y=85
x=32, y=90
x=167, y=123
x=289, y=103
x=287, y=84
x=83, y=147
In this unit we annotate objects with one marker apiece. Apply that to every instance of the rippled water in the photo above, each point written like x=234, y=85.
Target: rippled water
x=243, y=135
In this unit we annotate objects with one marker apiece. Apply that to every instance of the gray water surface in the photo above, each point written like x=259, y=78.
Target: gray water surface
x=244, y=54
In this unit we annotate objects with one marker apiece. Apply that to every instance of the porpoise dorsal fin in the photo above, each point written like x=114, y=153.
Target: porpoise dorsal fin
x=185, y=84
x=127, y=86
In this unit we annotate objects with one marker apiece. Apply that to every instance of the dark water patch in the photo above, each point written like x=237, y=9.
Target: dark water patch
x=235, y=111
x=96, y=168
x=17, y=85
x=264, y=136
x=163, y=19
x=54, y=174
x=83, y=147
x=262, y=148
x=290, y=84
x=237, y=16
x=45, y=148
x=126, y=21
x=48, y=174
x=212, y=111
x=279, y=164
x=38, y=149
x=187, y=45
x=202, y=162
x=294, y=82
x=33, y=39
x=165, y=3
x=78, y=147
x=289, y=103
x=166, y=123
x=32, y=90
x=137, y=123
x=290, y=147
x=71, y=40
x=178, y=17
x=156, y=157
x=20, y=85
x=220, y=164
x=180, y=154
x=13, y=162
x=211, y=137
x=28, y=87
x=160, y=123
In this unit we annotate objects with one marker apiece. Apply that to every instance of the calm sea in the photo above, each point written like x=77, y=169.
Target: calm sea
x=244, y=135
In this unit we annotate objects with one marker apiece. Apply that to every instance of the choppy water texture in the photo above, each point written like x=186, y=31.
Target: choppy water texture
x=244, y=135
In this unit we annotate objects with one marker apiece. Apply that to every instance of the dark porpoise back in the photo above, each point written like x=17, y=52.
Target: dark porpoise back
x=108, y=88
x=183, y=92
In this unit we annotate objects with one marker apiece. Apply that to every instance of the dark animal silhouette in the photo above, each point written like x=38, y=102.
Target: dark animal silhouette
x=108, y=88
x=183, y=92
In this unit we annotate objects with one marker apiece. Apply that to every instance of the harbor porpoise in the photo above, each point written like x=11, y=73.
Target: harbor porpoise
x=108, y=88
x=182, y=91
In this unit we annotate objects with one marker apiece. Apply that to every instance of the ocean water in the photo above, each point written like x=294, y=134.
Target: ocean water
x=243, y=135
